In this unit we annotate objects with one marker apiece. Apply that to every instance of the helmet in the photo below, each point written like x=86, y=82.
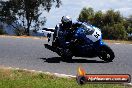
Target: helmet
x=66, y=21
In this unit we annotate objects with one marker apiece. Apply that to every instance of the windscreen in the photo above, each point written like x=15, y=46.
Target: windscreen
x=88, y=29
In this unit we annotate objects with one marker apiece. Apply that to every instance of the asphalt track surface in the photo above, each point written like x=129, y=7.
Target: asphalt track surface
x=29, y=53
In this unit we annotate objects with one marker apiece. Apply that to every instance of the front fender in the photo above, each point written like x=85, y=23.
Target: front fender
x=102, y=43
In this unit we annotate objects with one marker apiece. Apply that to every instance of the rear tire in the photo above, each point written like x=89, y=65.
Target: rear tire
x=106, y=53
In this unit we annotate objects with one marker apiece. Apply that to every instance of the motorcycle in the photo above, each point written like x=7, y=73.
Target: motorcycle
x=87, y=42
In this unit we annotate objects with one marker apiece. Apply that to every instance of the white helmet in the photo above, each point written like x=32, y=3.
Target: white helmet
x=66, y=21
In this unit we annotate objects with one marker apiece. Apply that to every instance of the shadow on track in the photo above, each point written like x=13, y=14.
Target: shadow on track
x=59, y=59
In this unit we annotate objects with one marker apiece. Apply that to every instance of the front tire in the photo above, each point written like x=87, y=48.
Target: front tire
x=106, y=53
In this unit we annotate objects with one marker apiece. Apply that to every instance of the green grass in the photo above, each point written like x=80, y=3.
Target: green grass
x=26, y=79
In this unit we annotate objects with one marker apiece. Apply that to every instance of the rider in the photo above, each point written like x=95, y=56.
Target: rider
x=66, y=27
x=65, y=31
x=64, y=35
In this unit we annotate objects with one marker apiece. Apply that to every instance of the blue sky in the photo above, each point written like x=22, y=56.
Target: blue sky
x=73, y=8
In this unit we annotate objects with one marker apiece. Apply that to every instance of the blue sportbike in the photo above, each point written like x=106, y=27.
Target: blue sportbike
x=86, y=42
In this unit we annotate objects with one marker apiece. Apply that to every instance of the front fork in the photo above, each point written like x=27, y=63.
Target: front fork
x=99, y=52
x=98, y=46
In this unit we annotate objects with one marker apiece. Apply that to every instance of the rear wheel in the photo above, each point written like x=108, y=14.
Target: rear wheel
x=106, y=53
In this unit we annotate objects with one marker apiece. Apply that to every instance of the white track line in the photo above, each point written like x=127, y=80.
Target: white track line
x=129, y=84
x=121, y=43
x=117, y=43
x=56, y=74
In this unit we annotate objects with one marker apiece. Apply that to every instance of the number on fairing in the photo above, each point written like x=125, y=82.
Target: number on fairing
x=96, y=35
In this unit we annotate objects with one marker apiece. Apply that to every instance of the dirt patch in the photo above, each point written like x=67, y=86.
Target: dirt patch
x=24, y=36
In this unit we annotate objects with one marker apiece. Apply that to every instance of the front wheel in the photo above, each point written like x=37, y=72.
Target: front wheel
x=106, y=53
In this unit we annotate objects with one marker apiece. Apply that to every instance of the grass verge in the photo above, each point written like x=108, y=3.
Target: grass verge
x=10, y=78
x=118, y=41
x=35, y=37
x=24, y=36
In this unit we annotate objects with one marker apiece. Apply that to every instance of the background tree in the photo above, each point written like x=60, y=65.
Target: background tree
x=26, y=12
x=129, y=24
x=112, y=17
x=112, y=23
x=117, y=31
x=87, y=15
x=1, y=30
x=98, y=19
